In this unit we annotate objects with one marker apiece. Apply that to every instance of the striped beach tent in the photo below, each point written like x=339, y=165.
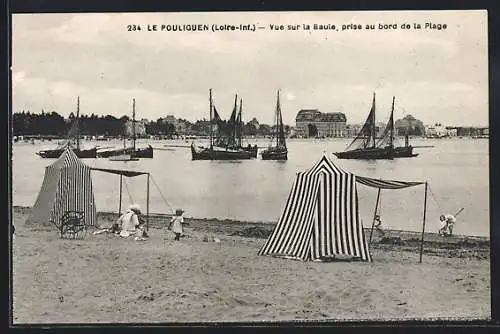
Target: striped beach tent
x=321, y=217
x=67, y=186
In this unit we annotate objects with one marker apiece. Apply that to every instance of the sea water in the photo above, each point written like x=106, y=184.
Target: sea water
x=457, y=171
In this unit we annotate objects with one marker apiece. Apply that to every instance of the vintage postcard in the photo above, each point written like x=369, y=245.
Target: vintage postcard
x=250, y=166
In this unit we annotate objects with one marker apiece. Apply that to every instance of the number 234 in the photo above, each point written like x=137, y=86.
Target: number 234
x=133, y=27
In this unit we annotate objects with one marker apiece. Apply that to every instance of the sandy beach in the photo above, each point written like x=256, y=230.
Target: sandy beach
x=107, y=279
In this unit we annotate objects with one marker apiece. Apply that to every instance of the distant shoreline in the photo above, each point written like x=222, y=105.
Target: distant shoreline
x=20, y=138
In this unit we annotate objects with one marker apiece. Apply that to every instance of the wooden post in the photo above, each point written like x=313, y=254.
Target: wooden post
x=211, y=129
x=423, y=224
x=78, y=123
x=133, y=125
x=147, y=206
x=374, y=214
x=120, y=205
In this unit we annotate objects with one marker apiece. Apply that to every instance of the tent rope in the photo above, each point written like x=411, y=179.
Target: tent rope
x=434, y=197
x=161, y=194
x=128, y=192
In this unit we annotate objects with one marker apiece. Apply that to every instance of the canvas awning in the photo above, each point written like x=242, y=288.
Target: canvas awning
x=128, y=173
x=385, y=184
x=391, y=184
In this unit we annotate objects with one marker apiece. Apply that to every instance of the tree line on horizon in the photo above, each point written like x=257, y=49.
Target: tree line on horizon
x=52, y=124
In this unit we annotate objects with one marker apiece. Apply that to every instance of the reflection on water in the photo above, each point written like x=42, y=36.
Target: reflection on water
x=256, y=190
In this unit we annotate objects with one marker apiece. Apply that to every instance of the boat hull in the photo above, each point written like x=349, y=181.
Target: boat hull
x=123, y=158
x=404, y=152
x=138, y=153
x=202, y=153
x=366, y=154
x=143, y=152
x=274, y=154
x=113, y=153
x=252, y=150
x=56, y=153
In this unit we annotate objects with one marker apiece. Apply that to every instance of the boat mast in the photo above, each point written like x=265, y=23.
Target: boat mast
x=211, y=130
x=240, y=124
x=373, y=121
x=391, y=124
x=133, y=124
x=280, y=121
x=232, y=139
x=78, y=123
x=277, y=117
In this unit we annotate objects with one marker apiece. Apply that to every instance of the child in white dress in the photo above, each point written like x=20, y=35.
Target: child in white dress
x=176, y=224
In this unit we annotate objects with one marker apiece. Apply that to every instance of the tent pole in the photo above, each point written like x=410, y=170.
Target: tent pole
x=147, y=206
x=423, y=224
x=120, y=205
x=374, y=214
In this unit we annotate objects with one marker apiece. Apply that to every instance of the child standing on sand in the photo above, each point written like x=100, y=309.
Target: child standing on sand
x=377, y=223
x=176, y=224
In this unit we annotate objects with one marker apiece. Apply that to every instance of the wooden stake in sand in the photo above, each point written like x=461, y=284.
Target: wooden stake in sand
x=147, y=206
x=120, y=205
x=423, y=224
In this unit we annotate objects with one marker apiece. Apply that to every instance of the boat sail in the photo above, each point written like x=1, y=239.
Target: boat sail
x=279, y=151
x=217, y=152
x=405, y=151
x=74, y=132
x=365, y=143
x=133, y=151
x=230, y=133
x=237, y=134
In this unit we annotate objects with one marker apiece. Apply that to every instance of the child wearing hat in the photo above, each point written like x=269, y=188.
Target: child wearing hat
x=176, y=224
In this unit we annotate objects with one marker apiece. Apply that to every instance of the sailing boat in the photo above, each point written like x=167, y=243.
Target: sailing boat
x=146, y=152
x=279, y=151
x=124, y=156
x=214, y=152
x=365, y=142
x=133, y=151
x=405, y=151
x=236, y=135
x=80, y=153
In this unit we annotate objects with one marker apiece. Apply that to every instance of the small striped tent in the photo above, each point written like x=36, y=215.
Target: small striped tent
x=67, y=186
x=321, y=217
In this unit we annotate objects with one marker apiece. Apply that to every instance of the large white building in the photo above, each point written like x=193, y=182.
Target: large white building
x=180, y=127
x=438, y=130
x=313, y=123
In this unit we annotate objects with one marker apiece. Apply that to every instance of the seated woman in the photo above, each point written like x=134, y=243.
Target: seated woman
x=129, y=220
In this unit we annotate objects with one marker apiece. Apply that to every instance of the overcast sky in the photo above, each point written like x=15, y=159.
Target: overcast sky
x=436, y=75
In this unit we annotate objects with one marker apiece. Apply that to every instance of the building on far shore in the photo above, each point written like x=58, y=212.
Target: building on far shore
x=469, y=131
x=140, y=127
x=438, y=131
x=313, y=123
x=179, y=125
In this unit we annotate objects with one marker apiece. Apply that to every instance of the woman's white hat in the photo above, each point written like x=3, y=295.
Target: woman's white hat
x=135, y=207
